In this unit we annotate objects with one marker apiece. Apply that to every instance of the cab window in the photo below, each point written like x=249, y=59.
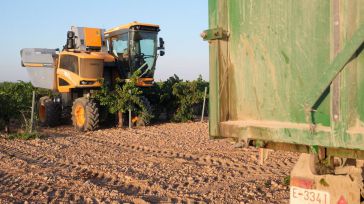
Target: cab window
x=69, y=62
x=120, y=45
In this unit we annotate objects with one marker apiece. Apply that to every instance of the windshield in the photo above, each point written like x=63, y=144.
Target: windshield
x=143, y=52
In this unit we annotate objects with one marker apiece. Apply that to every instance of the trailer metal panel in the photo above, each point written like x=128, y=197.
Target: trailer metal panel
x=287, y=72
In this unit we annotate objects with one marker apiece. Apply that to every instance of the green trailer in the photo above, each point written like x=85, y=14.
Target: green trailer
x=289, y=75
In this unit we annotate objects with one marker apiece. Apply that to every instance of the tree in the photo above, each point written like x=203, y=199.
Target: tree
x=189, y=96
x=16, y=101
x=124, y=96
x=167, y=100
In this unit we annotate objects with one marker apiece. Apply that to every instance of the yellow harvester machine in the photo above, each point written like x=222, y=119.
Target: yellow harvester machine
x=90, y=54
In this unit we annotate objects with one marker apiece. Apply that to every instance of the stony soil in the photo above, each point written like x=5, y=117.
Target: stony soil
x=168, y=163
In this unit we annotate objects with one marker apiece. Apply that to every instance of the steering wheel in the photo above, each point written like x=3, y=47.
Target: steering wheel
x=140, y=55
x=147, y=56
x=144, y=56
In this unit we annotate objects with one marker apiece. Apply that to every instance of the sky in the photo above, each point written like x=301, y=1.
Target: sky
x=44, y=24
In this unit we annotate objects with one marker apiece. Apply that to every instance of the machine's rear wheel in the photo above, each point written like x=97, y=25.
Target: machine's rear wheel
x=49, y=112
x=85, y=114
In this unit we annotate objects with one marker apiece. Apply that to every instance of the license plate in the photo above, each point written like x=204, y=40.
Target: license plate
x=308, y=196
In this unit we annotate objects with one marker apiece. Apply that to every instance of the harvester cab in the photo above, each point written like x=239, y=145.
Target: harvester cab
x=135, y=48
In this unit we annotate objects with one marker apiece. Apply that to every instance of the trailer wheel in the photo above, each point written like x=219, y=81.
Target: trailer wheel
x=49, y=112
x=85, y=114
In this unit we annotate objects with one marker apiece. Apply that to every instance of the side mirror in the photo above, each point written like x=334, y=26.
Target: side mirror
x=161, y=47
x=161, y=44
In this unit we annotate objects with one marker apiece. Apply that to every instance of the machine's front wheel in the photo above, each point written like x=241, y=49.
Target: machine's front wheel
x=49, y=112
x=85, y=114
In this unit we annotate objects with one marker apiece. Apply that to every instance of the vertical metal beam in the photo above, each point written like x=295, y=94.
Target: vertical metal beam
x=130, y=114
x=219, y=62
x=203, y=105
x=214, y=102
x=335, y=86
x=32, y=114
x=224, y=60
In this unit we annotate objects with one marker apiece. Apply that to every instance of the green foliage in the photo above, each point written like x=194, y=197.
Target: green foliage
x=179, y=100
x=2, y=124
x=24, y=136
x=323, y=182
x=189, y=97
x=124, y=96
x=16, y=101
x=15, y=98
x=267, y=184
x=287, y=180
x=162, y=97
x=167, y=98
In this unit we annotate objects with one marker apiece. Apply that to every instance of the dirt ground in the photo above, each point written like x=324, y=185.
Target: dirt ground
x=167, y=163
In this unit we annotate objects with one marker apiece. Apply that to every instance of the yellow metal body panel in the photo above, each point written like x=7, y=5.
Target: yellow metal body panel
x=145, y=82
x=92, y=37
x=90, y=55
x=74, y=79
x=33, y=65
x=127, y=26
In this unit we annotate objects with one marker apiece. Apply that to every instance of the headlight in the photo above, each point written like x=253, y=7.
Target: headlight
x=87, y=82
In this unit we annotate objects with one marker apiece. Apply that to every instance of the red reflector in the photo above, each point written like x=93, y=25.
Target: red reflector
x=302, y=183
x=342, y=200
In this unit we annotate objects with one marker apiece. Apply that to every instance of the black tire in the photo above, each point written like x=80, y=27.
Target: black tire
x=89, y=112
x=49, y=112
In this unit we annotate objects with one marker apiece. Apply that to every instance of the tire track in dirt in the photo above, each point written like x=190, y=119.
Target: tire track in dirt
x=174, y=155
x=286, y=165
x=226, y=177
x=274, y=162
x=276, y=167
x=30, y=189
x=174, y=162
x=18, y=183
x=198, y=159
x=193, y=181
x=102, y=179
